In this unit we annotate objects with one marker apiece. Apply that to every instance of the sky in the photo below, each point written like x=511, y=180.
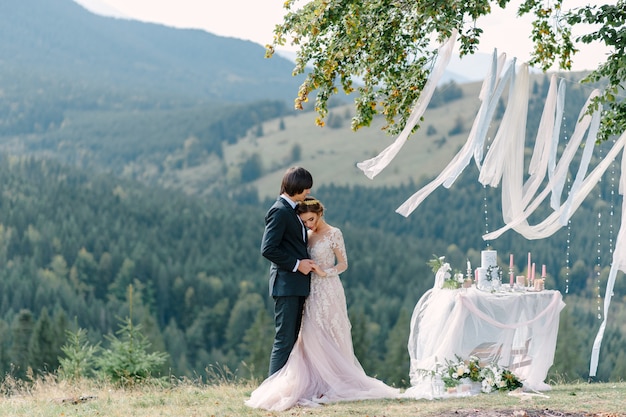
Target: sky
x=255, y=20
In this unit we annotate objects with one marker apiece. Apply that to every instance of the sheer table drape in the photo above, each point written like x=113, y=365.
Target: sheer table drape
x=518, y=330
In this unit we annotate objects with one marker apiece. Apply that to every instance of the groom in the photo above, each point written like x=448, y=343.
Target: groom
x=284, y=245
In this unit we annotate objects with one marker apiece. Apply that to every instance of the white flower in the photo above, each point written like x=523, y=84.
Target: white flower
x=486, y=386
x=461, y=370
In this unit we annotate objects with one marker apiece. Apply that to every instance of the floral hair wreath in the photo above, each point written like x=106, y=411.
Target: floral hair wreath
x=311, y=202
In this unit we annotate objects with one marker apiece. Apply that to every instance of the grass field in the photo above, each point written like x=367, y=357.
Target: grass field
x=51, y=398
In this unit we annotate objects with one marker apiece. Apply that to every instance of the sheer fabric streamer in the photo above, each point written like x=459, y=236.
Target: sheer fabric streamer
x=374, y=166
x=618, y=264
x=583, y=186
x=491, y=92
x=546, y=142
x=508, y=136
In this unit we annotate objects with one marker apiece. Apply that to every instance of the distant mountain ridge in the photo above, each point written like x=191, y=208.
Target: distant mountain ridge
x=60, y=37
x=468, y=69
x=182, y=108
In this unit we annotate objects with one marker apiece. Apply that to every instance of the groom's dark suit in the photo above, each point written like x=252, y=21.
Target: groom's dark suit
x=283, y=244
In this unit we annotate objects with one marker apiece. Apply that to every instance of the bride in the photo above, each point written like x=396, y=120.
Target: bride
x=322, y=367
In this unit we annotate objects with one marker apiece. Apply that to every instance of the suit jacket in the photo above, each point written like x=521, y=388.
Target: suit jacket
x=283, y=244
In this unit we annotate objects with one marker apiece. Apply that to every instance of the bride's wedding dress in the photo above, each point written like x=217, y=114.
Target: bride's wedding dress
x=322, y=366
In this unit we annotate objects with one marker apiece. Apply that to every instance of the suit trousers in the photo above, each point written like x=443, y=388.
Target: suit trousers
x=287, y=318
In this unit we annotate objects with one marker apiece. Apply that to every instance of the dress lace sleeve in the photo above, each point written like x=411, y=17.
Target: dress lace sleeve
x=339, y=249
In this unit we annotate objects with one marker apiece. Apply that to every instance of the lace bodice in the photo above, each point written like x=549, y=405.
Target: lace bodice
x=328, y=251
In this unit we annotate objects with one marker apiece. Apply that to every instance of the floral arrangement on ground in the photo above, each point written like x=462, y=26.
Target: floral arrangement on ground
x=491, y=377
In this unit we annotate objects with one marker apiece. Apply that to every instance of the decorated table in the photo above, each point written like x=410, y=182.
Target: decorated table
x=515, y=328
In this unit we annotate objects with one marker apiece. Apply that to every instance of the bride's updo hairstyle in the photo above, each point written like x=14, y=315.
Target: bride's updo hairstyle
x=310, y=205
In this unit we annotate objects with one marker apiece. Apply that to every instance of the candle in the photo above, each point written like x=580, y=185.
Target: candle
x=511, y=261
x=528, y=273
x=469, y=265
x=511, y=270
x=543, y=271
x=532, y=277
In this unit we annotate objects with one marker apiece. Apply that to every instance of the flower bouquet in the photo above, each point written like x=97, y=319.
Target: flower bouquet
x=469, y=372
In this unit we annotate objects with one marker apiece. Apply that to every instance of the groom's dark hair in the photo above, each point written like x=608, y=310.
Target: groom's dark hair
x=296, y=180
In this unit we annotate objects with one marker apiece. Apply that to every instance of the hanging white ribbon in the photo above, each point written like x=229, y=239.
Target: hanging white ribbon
x=547, y=227
x=618, y=264
x=505, y=158
x=560, y=105
x=374, y=166
x=552, y=223
x=491, y=92
x=584, y=165
x=546, y=141
x=516, y=109
x=483, y=125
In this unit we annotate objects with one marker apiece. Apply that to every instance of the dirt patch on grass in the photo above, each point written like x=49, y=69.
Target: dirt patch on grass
x=523, y=413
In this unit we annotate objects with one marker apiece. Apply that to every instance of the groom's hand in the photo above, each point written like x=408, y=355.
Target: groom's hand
x=306, y=266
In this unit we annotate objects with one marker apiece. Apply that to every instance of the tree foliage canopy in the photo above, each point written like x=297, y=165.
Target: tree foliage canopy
x=388, y=44
x=611, y=21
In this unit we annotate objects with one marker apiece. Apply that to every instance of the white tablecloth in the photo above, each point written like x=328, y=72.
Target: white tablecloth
x=518, y=330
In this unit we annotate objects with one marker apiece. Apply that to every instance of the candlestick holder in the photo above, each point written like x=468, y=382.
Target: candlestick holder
x=467, y=283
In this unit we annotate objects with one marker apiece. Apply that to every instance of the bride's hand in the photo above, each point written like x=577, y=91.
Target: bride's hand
x=319, y=271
